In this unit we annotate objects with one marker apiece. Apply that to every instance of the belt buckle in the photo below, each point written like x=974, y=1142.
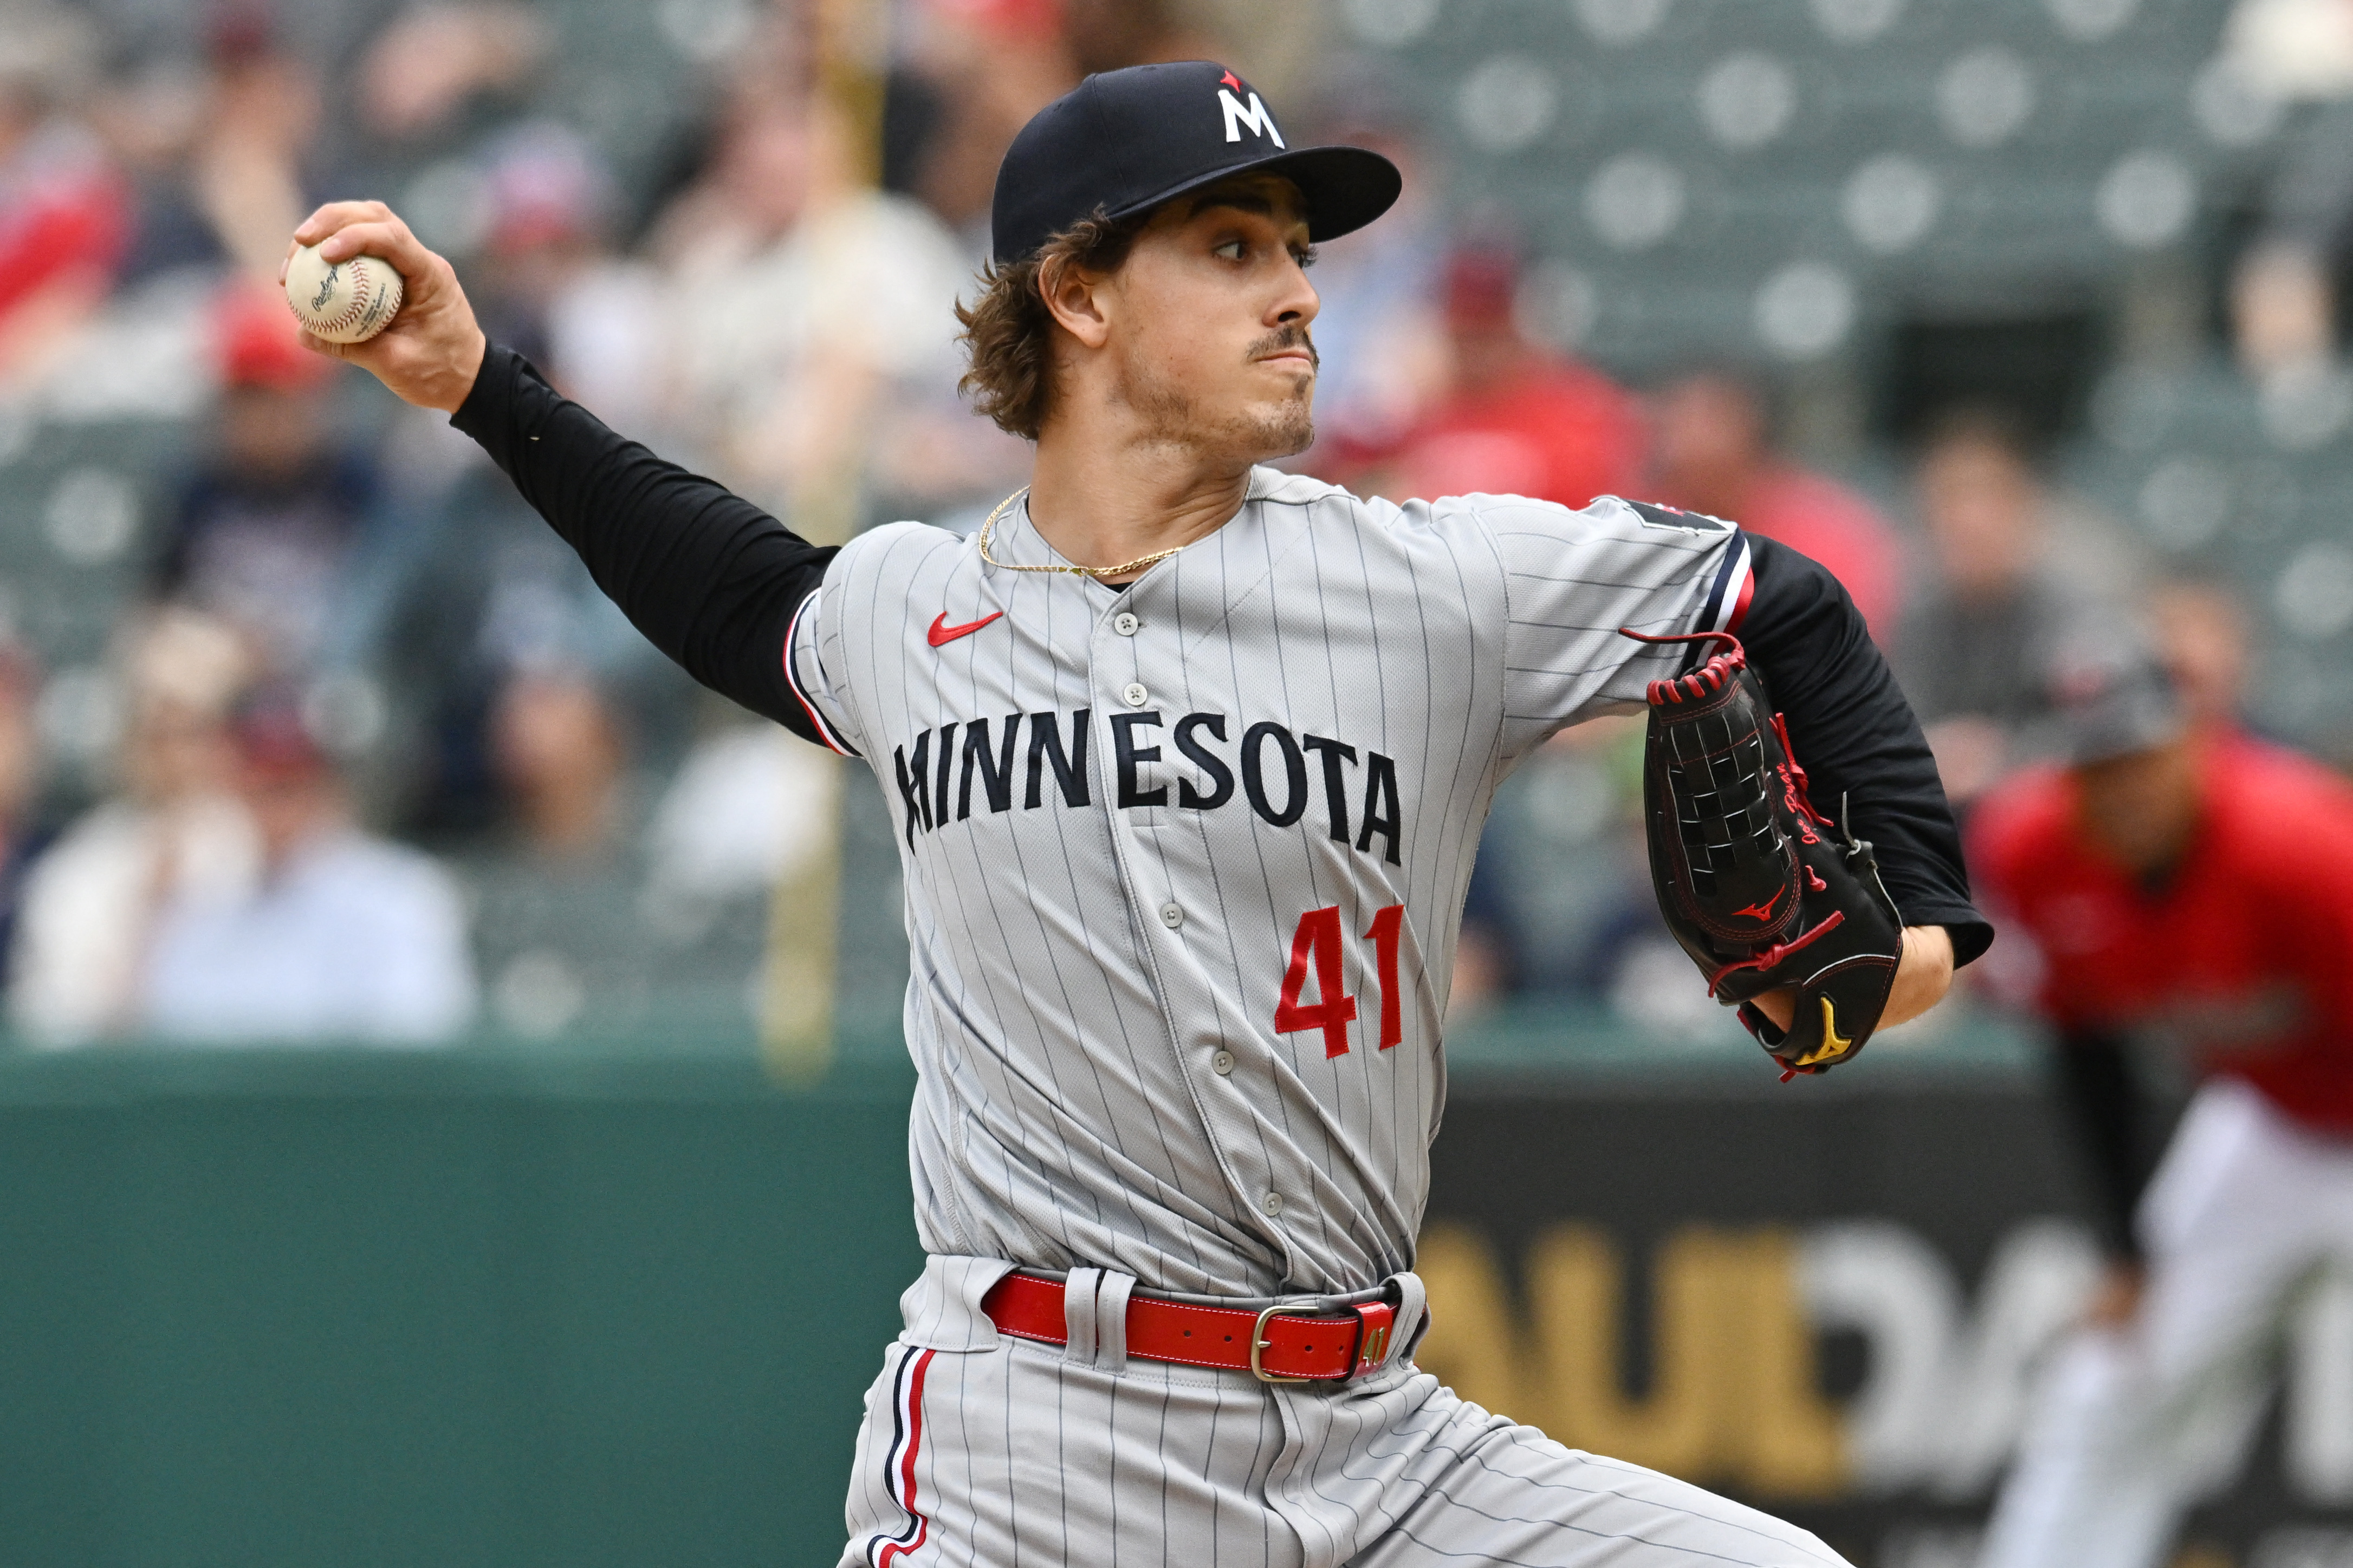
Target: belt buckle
x=1260, y=1343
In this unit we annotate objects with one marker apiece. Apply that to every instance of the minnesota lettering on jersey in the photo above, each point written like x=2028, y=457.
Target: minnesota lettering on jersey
x=946, y=772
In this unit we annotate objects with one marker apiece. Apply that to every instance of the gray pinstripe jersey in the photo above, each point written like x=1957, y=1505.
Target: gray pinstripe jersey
x=1185, y=864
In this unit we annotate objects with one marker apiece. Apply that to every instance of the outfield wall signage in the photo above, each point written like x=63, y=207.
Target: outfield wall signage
x=1830, y=1302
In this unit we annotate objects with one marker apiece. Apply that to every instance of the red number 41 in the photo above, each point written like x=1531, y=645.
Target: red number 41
x=1316, y=947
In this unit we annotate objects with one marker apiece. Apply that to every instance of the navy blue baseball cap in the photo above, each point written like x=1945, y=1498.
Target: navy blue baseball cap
x=1123, y=142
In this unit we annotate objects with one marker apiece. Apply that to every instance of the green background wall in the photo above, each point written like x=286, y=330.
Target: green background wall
x=330, y=1309
x=505, y=1308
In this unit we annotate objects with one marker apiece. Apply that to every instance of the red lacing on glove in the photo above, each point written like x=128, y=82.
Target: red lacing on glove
x=1705, y=682
x=1777, y=951
x=1793, y=778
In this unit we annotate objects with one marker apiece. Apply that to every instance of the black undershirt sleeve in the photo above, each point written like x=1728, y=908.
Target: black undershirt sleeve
x=713, y=581
x=1854, y=735
x=710, y=579
x=2107, y=1112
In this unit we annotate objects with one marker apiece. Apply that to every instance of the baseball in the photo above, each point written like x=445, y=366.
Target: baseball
x=341, y=302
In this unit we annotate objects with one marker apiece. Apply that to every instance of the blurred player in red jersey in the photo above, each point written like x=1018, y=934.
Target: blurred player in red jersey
x=2187, y=884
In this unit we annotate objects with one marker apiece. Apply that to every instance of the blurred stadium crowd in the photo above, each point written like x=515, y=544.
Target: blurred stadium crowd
x=2021, y=316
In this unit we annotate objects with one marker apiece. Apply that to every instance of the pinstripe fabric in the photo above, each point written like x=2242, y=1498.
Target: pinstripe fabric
x=1017, y=1456
x=1286, y=763
x=1184, y=871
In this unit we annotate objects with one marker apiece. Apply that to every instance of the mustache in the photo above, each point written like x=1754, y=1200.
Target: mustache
x=1291, y=337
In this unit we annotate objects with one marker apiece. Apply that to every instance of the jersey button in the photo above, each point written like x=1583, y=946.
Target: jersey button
x=1171, y=916
x=1222, y=1063
x=1124, y=624
x=1272, y=1204
x=1136, y=695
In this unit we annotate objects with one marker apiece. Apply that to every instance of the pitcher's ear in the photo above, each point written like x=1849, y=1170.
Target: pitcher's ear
x=1074, y=298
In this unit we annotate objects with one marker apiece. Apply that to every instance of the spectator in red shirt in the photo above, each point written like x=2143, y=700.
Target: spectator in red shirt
x=1711, y=452
x=64, y=213
x=1518, y=418
x=265, y=530
x=2188, y=887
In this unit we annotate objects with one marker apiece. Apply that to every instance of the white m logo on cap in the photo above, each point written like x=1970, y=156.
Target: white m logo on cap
x=1260, y=122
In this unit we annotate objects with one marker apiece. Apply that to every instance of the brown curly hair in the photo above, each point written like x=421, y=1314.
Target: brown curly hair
x=1009, y=332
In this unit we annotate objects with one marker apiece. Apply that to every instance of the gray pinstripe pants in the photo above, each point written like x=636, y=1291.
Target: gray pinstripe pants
x=1009, y=1453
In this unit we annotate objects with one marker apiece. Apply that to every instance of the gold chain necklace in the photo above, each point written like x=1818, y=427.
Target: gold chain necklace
x=1124, y=569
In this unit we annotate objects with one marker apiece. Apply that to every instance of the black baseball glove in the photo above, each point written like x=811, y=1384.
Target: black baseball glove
x=1760, y=888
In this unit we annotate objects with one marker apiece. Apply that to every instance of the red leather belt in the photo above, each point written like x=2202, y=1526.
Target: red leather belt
x=1279, y=1344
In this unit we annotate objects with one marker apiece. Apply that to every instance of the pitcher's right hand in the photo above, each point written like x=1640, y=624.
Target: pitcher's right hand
x=433, y=350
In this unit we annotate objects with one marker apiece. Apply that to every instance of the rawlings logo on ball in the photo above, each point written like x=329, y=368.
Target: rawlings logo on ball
x=341, y=302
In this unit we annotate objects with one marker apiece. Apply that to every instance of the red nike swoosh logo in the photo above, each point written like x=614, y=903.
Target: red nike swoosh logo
x=942, y=634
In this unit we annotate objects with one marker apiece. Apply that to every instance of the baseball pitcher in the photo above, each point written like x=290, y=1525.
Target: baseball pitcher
x=1188, y=758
